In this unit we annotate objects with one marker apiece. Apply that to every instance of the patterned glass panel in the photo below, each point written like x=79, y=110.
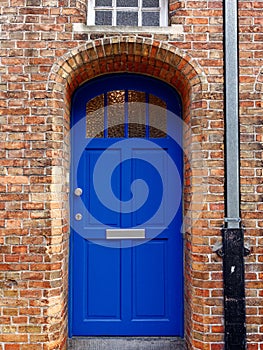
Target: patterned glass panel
x=150, y=3
x=157, y=117
x=95, y=117
x=150, y=18
x=127, y=3
x=136, y=114
x=127, y=18
x=116, y=113
x=103, y=3
x=103, y=18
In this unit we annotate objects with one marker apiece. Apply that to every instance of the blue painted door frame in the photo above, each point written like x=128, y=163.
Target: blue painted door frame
x=126, y=287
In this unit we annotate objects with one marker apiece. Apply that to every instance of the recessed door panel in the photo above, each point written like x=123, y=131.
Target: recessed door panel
x=103, y=266
x=152, y=168
x=98, y=183
x=149, y=281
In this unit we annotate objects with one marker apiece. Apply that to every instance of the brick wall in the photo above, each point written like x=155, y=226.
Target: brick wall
x=251, y=119
x=42, y=61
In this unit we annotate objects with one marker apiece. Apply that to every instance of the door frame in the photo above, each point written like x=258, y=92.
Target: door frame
x=161, y=94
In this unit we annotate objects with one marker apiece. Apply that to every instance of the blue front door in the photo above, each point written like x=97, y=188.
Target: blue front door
x=126, y=215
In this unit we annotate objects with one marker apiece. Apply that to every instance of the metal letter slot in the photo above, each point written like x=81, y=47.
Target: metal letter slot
x=78, y=192
x=125, y=233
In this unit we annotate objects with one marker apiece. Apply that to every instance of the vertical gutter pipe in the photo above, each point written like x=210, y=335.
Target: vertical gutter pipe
x=232, y=233
x=232, y=219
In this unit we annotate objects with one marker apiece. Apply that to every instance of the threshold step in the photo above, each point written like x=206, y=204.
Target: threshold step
x=126, y=343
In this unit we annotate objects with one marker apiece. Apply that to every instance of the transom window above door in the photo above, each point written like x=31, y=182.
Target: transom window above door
x=128, y=12
x=126, y=113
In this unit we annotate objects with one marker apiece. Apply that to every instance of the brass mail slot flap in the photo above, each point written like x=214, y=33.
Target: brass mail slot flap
x=125, y=233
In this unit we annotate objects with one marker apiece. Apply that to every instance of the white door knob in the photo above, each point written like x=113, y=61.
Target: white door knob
x=78, y=217
x=78, y=192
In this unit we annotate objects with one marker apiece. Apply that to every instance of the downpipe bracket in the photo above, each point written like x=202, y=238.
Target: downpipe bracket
x=219, y=250
x=227, y=220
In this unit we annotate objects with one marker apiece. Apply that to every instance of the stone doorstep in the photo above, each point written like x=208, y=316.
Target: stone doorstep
x=126, y=343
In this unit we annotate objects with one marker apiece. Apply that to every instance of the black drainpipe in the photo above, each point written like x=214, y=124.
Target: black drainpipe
x=232, y=233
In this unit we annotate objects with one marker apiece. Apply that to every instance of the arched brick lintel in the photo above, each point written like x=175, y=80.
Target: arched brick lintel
x=128, y=54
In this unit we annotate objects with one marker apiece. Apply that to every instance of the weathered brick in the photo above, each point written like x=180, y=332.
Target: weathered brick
x=35, y=112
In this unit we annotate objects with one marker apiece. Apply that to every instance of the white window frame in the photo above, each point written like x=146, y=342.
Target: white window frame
x=163, y=10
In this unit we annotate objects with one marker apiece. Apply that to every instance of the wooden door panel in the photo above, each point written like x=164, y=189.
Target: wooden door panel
x=126, y=287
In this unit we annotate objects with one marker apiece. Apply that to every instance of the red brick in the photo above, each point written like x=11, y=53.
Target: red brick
x=37, y=117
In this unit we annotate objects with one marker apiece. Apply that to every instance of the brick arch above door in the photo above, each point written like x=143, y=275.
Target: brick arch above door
x=128, y=54
x=141, y=55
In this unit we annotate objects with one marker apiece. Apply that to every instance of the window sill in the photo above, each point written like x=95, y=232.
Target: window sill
x=82, y=28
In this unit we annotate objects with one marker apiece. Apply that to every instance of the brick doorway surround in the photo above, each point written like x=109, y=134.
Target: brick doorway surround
x=165, y=62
